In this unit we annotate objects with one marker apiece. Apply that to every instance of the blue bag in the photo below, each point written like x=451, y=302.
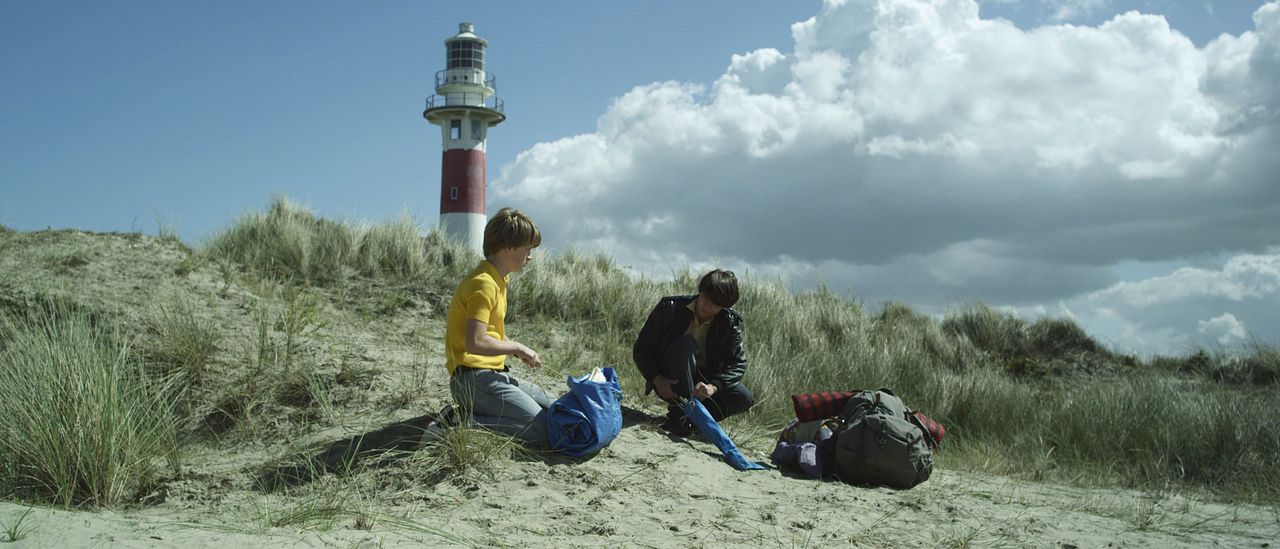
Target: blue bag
x=701, y=418
x=588, y=417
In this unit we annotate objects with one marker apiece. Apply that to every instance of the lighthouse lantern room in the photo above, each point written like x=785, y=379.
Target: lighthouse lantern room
x=465, y=107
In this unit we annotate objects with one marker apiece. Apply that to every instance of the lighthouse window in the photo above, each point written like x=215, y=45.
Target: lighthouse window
x=466, y=55
x=477, y=129
x=460, y=63
x=455, y=129
x=453, y=193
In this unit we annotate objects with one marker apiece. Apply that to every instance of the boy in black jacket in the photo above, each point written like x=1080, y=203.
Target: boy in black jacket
x=691, y=347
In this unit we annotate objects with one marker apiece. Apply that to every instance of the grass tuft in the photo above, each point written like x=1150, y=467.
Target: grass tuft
x=462, y=454
x=275, y=360
x=578, y=286
x=1263, y=364
x=17, y=532
x=179, y=343
x=84, y=421
x=1258, y=366
x=289, y=243
x=1046, y=347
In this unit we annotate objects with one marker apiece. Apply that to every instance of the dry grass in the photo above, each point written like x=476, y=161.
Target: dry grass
x=84, y=420
x=1037, y=399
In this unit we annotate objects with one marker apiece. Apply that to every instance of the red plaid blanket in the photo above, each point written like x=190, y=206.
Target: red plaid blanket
x=811, y=406
x=936, y=430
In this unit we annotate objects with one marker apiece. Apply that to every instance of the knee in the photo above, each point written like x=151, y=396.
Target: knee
x=523, y=410
x=680, y=356
x=741, y=398
x=682, y=347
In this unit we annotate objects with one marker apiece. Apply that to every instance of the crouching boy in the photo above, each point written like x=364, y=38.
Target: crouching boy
x=691, y=347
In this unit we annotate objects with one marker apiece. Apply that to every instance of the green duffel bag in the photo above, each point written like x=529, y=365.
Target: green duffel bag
x=880, y=443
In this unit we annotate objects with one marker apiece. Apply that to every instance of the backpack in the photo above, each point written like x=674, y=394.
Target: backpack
x=881, y=442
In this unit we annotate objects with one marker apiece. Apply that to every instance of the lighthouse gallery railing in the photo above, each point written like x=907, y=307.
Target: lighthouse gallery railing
x=464, y=100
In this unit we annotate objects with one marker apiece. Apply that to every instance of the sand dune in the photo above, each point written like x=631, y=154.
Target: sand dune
x=645, y=490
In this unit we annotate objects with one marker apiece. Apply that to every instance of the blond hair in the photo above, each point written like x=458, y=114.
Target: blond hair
x=510, y=228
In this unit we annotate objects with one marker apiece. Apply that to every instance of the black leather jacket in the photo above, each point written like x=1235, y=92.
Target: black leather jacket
x=726, y=359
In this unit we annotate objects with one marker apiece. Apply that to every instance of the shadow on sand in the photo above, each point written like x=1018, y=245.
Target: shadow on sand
x=396, y=441
x=390, y=443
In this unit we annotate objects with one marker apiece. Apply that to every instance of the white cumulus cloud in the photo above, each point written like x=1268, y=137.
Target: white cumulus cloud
x=1167, y=313
x=1225, y=329
x=911, y=150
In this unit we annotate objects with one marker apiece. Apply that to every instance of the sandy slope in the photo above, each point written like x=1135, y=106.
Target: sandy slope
x=646, y=489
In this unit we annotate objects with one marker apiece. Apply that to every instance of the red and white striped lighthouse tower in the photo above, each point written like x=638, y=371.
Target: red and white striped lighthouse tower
x=464, y=106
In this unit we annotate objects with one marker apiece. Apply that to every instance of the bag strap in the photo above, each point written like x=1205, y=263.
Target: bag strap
x=928, y=435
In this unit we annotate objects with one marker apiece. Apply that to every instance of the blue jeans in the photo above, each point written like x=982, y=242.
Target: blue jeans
x=680, y=362
x=498, y=401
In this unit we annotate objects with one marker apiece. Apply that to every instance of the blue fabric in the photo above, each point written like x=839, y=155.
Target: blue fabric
x=701, y=419
x=802, y=455
x=588, y=417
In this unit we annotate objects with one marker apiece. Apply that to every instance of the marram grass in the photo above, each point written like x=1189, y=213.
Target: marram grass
x=1039, y=399
x=1045, y=396
x=288, y=242
x=84, y=423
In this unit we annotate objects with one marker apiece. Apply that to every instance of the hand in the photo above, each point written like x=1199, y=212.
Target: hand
x=529, y=356
x=663, y=384
x=703, y=390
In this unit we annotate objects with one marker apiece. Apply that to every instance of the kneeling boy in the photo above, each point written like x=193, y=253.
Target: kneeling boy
x=475, y=337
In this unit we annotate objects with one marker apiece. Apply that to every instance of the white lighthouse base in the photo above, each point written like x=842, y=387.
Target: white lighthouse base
x=466, y=228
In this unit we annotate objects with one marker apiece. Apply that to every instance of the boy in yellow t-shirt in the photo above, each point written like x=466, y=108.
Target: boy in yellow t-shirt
x=476, y=344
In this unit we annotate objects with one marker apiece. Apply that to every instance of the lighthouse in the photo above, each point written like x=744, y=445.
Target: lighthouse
x=465, y=107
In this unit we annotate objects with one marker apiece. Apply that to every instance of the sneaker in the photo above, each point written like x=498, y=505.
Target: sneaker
x=434, y=432
x=677, y=426
x=448, y=417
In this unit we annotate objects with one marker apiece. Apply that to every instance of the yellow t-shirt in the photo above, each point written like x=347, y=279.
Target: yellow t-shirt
x=482, y=296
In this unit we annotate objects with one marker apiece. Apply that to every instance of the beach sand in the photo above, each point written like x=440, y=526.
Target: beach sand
x=646, y=490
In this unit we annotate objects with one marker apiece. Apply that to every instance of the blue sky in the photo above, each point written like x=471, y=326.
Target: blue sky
x=119, y=113
x=1106, y=160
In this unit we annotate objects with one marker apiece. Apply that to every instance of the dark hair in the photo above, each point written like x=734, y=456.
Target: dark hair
x=510, y=228
x=721, y=287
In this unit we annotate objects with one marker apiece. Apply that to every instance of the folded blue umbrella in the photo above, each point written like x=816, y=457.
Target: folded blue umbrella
x=701, y=418
x=588, y=417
